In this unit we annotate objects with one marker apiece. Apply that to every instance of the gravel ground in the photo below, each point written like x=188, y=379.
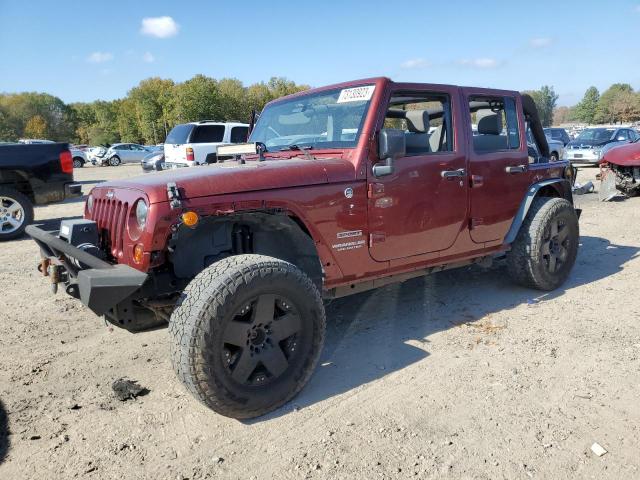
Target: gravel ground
x=458, y=375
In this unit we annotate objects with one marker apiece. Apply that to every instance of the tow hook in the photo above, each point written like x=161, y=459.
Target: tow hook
x=55, y=272
x=43, y=266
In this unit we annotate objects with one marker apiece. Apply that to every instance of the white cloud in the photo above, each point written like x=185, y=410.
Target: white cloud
x=415, y=63
x=100, y=57
x=480, y=62
x=159, y=27
x=148, y=57
x=540, y=42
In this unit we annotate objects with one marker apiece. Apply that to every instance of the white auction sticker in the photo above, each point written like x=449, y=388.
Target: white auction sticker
x=356, y=94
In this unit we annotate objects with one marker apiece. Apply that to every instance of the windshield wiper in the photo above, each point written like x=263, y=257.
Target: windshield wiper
x=304, y=149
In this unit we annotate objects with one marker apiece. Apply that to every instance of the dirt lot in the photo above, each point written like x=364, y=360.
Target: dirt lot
x=458, y=375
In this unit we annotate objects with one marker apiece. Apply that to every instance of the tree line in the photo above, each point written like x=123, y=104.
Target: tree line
x=152, y=108
x=147, y=113
x=618, y=104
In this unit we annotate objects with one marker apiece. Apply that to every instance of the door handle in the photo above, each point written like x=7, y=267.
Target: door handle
x=516, y=169
x=451, y=174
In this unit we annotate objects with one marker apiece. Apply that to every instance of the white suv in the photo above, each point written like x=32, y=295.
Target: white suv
x=197, y=143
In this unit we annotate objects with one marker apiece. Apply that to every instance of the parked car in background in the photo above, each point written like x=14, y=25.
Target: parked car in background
x=82, y=147
x=79, y=157
x=197, y=143
x=32, y=174
x=32, y=141
x=559, y=134
x=126, y=153
x=588, y=145
x=152, y=162
x=95, y=154
x=556, y=149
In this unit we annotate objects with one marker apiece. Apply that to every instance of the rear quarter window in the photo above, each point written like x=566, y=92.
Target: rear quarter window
x=239, y=134
x=179, y=134
x=208, y=134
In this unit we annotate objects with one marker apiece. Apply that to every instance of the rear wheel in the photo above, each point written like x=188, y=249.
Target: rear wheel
x=553, y=157
x=114, y=161
x=16, y=212
x=546, y=247
x=78, y=162
x=247, y=335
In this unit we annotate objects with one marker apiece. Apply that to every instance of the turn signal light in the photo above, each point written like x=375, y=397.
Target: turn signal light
x=190, y=156
x=138, y=253
x=190, y=219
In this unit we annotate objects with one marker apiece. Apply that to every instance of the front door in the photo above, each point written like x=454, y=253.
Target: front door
x=421, y=206
x=499, y=163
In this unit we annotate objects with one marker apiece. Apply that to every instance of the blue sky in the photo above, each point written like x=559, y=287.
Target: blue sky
x=88, y=50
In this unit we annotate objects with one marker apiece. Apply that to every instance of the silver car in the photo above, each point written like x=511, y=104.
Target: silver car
x=590, y=145
x=126, y=153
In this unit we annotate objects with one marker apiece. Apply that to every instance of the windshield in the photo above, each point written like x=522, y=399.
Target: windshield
x=597, y=134
x=330, y=119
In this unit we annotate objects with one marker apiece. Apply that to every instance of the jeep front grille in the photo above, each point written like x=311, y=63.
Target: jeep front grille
x=111, y=217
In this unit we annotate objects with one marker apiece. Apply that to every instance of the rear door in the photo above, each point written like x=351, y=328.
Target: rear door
x=421, y=206
x=499, y=163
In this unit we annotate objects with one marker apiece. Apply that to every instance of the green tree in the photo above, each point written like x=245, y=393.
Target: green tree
x=545, y=100
x=197, y=99
x=611, y=107
x=152, y=100
x=7, y=133
x=585, y=111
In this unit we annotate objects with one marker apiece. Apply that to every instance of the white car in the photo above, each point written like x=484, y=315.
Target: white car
x=197, y=143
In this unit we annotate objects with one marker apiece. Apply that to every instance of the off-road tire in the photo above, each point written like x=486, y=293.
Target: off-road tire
x=212, y=302
x=27, y=208
x=114, y=161
x=530, y=259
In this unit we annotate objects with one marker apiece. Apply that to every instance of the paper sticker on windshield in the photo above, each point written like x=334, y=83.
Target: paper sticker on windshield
x=356, y=94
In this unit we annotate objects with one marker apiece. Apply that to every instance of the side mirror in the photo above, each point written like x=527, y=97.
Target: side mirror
x=391, y=145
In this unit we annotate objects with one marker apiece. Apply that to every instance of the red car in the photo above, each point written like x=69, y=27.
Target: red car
x=624, y=163
x=341, y=189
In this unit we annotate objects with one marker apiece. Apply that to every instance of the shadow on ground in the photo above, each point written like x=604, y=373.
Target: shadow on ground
x=4, y=433
x=368, y=334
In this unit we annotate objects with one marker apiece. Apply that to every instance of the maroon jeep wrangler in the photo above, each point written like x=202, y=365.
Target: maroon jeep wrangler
x=341, y=189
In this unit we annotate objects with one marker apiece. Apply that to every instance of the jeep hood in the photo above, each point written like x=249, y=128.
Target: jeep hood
x=624, y=155
x=233, y=177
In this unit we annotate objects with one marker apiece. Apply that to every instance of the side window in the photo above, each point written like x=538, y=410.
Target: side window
x=425, y=119
x=208, y=134
x=496, y=121
x=239, y=134
x=123, y=147
x=622, y=135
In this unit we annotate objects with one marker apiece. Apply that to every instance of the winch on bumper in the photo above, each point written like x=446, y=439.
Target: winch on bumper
x=71, y=257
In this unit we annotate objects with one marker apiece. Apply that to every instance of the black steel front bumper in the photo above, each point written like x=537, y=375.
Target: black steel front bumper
x=99, y=285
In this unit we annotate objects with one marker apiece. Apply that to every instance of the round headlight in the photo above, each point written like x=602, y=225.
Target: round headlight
x=141, y=213
x=89, y=205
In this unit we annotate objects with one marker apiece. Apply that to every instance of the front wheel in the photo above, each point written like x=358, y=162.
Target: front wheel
x=247, y=334
x=114, y=161
x=16, y=212
x=553, y=157
x=546, y=247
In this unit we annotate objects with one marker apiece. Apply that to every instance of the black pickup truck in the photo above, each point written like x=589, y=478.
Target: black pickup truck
x=32, y=175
